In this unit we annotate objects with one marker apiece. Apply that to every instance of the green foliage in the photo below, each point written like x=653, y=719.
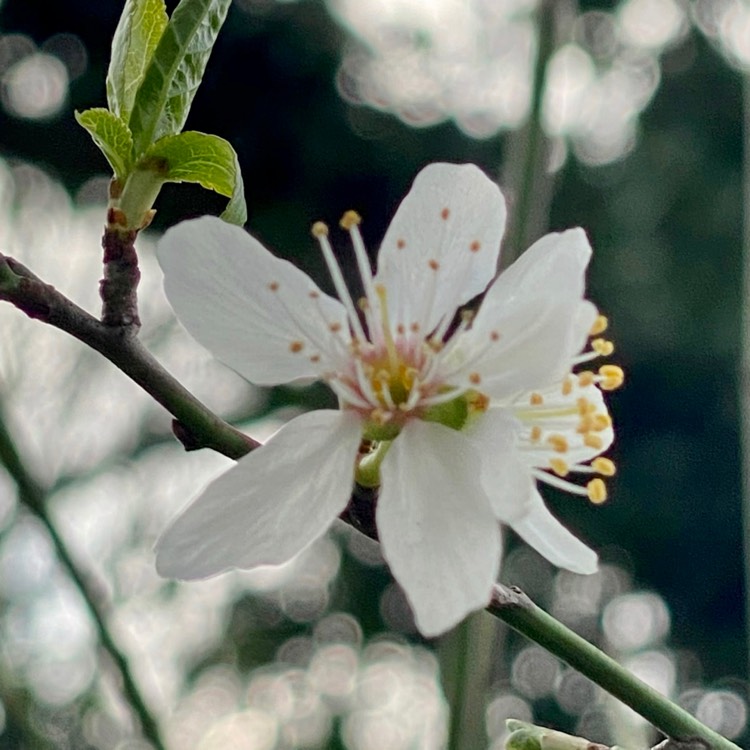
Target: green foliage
x=206, y=159
x=112, y=136
x=156, y=67
x=163, y=99
x=140, y=28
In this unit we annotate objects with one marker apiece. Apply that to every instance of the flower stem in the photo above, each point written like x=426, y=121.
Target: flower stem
x=33, y=496
x=525, y=169
x=466, y=661
x=744, y=389
x=513, y=607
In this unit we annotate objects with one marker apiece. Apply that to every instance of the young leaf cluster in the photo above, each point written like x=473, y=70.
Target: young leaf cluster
x=156, y=67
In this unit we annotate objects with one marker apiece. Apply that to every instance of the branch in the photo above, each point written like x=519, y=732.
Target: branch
x=33, y=496
x=512, y=606
x=197, y=425
x=118, y=288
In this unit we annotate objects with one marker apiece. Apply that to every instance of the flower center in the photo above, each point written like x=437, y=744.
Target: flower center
x=390, y=373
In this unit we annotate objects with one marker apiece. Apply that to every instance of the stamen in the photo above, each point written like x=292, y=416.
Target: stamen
x=593, y=441
x=390, y=344
x=559, y=466
x=559, y=443
x=320, y=232
x=364, y=382
x=601, y=422
x=536, y=434
x=350, y=221
x=596, y=491
x=347, y=394
x=585, y=378
x=567, y=386
x=600, y=325
x=561, y=484
x=604, y=466
x=442, y=398
x=602, y=347
x=612, y=377
x=536, y=399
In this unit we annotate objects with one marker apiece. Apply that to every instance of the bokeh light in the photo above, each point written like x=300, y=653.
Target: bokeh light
x=472, y=62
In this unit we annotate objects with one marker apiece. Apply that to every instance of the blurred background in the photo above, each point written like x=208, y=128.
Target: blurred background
x=333, y=105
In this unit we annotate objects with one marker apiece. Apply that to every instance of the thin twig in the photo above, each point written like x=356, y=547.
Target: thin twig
x=33, y=496
x=511, y=605
x=198, y=425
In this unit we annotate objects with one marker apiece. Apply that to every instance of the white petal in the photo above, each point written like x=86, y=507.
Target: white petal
x=550, y=538
x=449, y=210
x=531, y=321
x=221, y=281
x=554, y=265
x=506, y=480
x=436, y=527
x=270, y=506
x=524, y=348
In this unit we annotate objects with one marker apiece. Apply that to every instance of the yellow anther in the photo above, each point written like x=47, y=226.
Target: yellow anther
x=567, y=386
x=601, y=422
x=559, y=466
x=600, y=325
x=613, y=377
x=559, y=443
x=586, y=424
x=319, y=229
x=593, y=441
x=536, y=433
x=604, y=466
x=603, y=347
x=536, y=399
x=350, y=219
x=585, y=378
x=597, y=491
x=296, y=346
x=478, y=402
x=584, y=406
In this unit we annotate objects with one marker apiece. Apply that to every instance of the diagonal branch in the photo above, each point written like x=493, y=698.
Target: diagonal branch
x=512, y=606
x=195, y=424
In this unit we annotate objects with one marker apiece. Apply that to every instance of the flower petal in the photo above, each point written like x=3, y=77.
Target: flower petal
x=507, y=351
x=442, y=246
x=540, y=529
x=554, y=265
x=253, y=311
x=436, y=527
x=506, y=480
x=270, y=506
x=531, y=321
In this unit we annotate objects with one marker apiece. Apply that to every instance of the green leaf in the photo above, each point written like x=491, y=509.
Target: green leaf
x=138, y=32
x=163, y=100
x=112, y=136
x=206, y=159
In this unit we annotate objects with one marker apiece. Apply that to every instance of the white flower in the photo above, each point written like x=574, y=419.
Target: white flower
x=462, y=418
